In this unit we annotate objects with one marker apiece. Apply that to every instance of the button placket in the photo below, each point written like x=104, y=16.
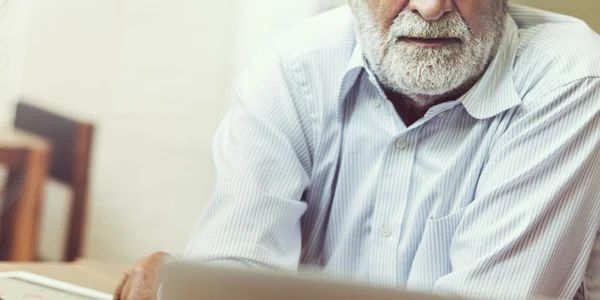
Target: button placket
x=389, y=211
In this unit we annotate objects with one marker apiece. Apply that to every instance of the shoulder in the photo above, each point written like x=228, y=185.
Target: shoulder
x=308, y=61
x=298, y=69
x=331, y=30
x=554, y=51
x=322, y=42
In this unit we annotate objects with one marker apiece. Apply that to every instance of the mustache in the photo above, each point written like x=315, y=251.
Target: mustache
x=410, y=25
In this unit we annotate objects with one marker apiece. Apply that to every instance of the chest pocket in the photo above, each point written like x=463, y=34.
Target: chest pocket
x=432, y=259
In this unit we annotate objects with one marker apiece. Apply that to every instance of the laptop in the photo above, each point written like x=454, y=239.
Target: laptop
x=186, y=280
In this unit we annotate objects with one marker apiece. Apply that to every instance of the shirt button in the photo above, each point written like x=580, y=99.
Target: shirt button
x=375, y=103
x=386, y=232
x=401, y=144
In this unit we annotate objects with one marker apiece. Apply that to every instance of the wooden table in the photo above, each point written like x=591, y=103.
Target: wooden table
x=94, y=275
x=27, y=158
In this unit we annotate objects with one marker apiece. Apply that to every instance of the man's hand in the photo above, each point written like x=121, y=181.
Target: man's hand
x=141, y=282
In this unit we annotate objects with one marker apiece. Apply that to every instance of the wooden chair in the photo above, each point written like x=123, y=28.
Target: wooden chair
x=71, y=142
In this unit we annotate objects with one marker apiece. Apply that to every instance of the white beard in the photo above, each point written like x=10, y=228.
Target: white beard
x=420, y=72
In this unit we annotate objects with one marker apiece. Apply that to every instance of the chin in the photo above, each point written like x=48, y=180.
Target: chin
x=431, y=86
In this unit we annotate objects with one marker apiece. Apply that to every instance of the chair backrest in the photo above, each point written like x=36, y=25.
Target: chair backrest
x=70, y=162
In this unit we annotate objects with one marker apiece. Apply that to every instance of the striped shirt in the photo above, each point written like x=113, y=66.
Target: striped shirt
x=496, y=194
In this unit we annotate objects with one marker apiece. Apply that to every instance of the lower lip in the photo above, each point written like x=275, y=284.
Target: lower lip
x=431, y=43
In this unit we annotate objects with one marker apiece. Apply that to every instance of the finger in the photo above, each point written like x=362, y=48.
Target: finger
x=140, y=291
x=126, y=291
x=117, y=293
x=158, y=258
x=151, y=268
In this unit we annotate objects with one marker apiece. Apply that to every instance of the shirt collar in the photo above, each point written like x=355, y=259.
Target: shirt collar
x=492, y=94
x=357, y=60
x=495, y=91
x=355, y=67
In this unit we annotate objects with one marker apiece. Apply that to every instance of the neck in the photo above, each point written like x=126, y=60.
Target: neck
x=411, y=108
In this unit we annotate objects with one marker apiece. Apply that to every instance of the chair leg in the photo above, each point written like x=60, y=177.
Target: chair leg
x=11, y=194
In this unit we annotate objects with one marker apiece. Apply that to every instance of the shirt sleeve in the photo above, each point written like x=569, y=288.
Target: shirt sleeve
x=263, y=161
x=531, y=228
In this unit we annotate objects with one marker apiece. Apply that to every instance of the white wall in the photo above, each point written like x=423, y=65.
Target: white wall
x=13, y=24
x=155, y=76
x=70, y=65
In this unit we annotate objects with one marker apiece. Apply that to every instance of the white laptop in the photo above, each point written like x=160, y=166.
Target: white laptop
x=184, y=280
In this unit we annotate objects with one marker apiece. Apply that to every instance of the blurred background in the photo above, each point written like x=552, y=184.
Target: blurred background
x=154, y=77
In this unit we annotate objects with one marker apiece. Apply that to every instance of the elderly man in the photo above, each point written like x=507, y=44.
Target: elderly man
x=446, y=146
